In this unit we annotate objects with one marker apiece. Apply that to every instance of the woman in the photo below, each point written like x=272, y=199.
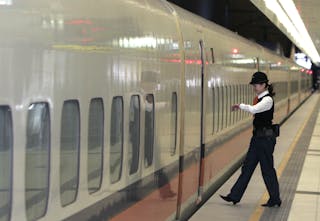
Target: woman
x=261, y=145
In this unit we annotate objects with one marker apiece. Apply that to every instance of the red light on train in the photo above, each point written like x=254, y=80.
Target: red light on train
x=235, y=51
x=189, y=61
x=79, y=22
x=172, y=60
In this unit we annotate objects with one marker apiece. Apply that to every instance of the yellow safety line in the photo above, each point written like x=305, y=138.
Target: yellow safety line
x=256, y=215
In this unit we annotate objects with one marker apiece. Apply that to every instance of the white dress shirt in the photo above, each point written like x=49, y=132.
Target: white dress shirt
x=264, y=105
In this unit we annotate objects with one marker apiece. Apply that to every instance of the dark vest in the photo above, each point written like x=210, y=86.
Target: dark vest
x=264, y=119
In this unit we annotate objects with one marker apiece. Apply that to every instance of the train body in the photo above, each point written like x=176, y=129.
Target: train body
x=120, y=110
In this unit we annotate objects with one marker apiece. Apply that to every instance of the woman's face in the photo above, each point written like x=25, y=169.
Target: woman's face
x=259, y=88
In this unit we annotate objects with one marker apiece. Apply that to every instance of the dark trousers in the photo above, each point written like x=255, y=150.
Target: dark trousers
x=260, y=151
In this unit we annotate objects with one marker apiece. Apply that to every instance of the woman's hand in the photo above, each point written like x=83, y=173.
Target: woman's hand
x=235, y=107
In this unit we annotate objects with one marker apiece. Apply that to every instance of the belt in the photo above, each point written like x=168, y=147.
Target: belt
x=263, y=132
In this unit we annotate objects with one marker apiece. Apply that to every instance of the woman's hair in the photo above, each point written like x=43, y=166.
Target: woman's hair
x=270, y=89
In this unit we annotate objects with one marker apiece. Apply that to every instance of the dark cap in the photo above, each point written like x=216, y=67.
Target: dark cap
x=259, y=78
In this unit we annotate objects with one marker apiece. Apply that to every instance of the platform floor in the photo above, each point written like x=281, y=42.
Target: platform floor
x=297, y=161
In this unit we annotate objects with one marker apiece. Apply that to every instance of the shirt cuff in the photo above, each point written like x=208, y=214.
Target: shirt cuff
x=242, y=106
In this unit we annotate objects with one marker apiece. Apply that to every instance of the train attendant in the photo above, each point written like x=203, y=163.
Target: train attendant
x=261, y=146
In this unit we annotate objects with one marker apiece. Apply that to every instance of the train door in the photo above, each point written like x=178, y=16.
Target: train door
x=191, y=183
x=202, y=127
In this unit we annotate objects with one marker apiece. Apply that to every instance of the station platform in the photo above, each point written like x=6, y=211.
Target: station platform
x=297, y=161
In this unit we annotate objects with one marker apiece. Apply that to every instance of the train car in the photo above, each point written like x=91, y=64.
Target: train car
x=120, y=110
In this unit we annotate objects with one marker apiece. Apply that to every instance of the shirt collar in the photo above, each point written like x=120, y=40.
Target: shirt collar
x=263, y=94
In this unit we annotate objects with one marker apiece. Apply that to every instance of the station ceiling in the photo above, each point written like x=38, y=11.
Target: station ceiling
x=298, y=20
x=242, y=17
x=252, y=19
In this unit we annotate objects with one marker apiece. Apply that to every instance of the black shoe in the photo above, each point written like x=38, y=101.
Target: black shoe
x=229, y=199
x=272, y=204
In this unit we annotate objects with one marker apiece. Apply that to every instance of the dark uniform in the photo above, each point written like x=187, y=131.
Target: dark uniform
x=260, y=151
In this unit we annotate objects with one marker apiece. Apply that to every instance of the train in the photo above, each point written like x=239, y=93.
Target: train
x=120, y=110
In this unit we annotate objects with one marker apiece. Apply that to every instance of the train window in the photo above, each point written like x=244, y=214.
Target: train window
x=249, y=97
x=251, y=94
x=242, y=100
x=229, y=105
x=235, y=94
x=240, y=95
x=95, y=144
x=217, y=108
x=212, y=55
x=37, y=160
x=6, y=147
x=257, y=63
x=214, y=109
x=239, y=101
x=69, y=152
x=236, y=101
x=221, y=114
x=134, y=134
x=116, y=139
x=173, y=124
x=244, y=97
x=225, y=103
x=236, y=98
x=232, y=103
x=227, y=109
x=249, y=100
x=217, y=115
x=294, y=87
x=245, y=88
x=149, y=130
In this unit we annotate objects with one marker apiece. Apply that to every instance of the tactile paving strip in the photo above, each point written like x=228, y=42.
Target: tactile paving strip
x=290, y=176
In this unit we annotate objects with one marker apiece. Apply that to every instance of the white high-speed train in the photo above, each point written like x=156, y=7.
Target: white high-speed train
x=120, y=109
